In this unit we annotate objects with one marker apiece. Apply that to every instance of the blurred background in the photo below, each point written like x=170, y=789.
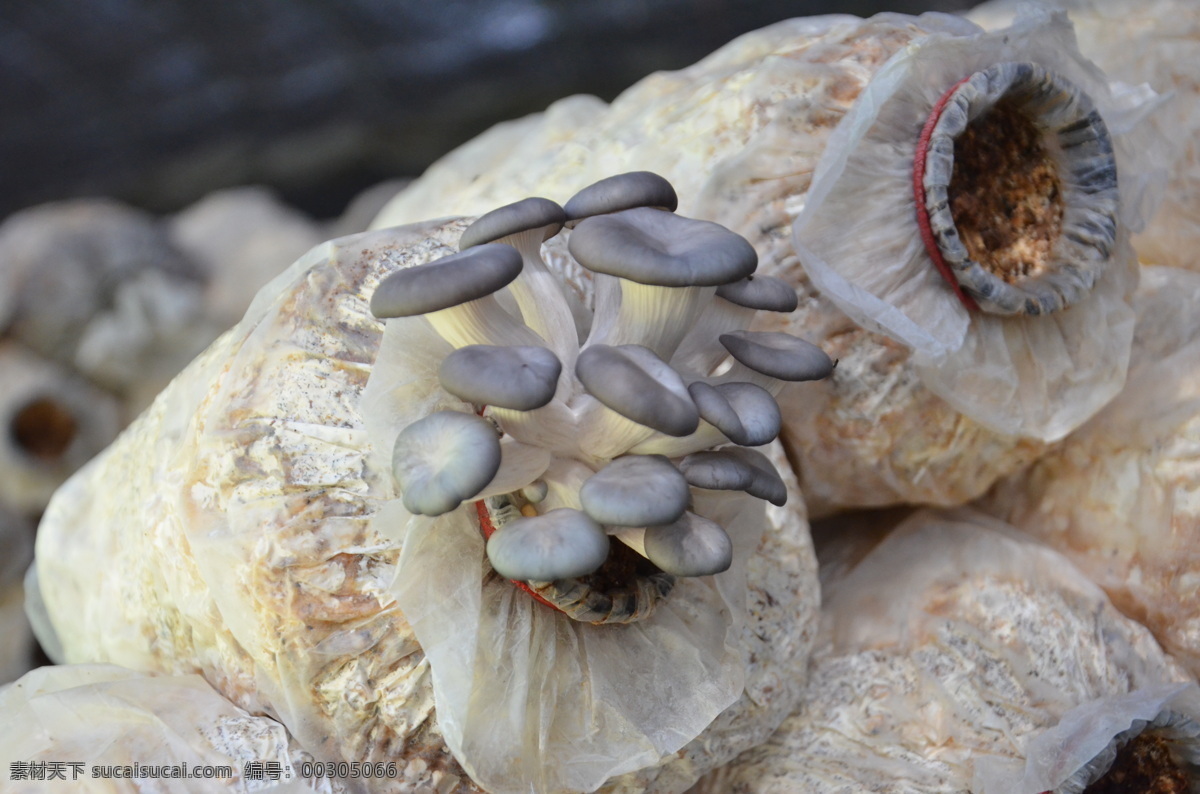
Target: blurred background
x=162, y=159
x=158, y=102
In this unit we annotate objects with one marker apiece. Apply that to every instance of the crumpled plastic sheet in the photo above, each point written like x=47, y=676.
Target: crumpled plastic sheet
x=1076, y=752
x=530, y=698
x=101, y=715
x=1030, y=376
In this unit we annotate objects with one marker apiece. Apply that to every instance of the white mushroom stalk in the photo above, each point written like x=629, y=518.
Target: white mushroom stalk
x=668, y=267
x=550, y=452
x=525, y=225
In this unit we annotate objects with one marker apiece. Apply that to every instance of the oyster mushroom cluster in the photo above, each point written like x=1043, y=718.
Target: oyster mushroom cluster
x=574, y=426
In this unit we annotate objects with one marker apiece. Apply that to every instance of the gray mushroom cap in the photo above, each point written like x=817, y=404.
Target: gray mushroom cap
x=638, y=385
x=622, y=192
x=443, y=459
x=519, y=377
x=747, y=414
x=765, y=293
x=635, y=491
x=662, y=249
x=767, y=484
x=559, y=544
x=520, y=216
x=779, y=355
x=718, y=471
x=716, y=410
x=691, y=546
x=453, y=280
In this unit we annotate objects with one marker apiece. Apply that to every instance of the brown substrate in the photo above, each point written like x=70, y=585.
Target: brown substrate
x=43, y=429
x=620, y=569
x=1005, y=194
x=1144, y=766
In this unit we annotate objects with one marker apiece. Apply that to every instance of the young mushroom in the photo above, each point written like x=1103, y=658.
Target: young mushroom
x=734, y=307
x=621, y=192
x=691, y=546
x=781, y=357
x=635, y=491
x=638, y=385
x=455, y=296
x=559, y=544
x=443, y=459
x=520, y=378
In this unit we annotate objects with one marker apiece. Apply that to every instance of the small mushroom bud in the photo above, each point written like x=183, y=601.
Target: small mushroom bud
x=622, y=192
x=781, y=356
x=638, y=385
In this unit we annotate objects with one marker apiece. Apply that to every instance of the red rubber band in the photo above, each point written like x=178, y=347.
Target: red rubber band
x=488, y=529
x=931, y=247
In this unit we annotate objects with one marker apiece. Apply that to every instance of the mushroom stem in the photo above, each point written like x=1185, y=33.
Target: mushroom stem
x=539, y=295
x=603, y=433
x=699, y=353
x=633, y=537
x=705, y=437
x=656, y=317
x=481, y=322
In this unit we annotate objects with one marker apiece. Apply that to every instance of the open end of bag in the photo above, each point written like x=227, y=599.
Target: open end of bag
x=43, y=429
x=1020, y=189
x=626, y=588
x=1145, y=765
x=1006, y=196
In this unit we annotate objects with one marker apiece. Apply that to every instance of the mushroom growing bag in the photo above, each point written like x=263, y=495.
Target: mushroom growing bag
x=242, y=528
x=956, y=656
x=1037, y=374
x=924, y=406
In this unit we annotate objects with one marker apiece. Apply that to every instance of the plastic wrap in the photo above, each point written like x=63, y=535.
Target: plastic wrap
x=956, y=655
x=241, y=524
x=1118, y=496
x=100, y=715
x=1038, y=376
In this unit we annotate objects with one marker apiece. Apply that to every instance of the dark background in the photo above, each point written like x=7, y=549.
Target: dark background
x=158, y=102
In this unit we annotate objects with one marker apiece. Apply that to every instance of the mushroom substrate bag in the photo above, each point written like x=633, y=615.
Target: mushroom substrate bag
x=958, y=655
x=1031, y=375
x=87, y=717
x=742, y=134
x=241, y=525
x=1155, y=43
